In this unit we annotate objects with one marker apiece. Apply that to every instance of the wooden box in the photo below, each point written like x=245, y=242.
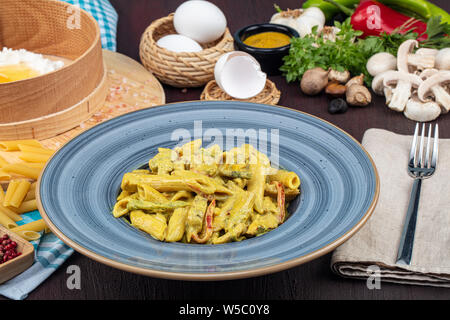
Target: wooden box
x=19, y=264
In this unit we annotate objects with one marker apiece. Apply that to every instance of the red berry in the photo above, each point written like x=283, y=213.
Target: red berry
x=14, y=244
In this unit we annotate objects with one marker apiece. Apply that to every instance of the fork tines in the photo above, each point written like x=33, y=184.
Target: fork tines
x=416, y=157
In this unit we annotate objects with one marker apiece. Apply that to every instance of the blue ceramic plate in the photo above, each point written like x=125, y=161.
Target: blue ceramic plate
x=79, y=185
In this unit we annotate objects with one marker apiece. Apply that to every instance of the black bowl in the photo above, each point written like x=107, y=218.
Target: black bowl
x=270, y=59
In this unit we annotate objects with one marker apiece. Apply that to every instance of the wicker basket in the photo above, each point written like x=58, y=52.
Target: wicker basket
x=58, y=100
x=180, y=69
x=269, y=95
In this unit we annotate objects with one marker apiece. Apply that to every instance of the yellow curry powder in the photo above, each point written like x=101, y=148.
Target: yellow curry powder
x=268, y=40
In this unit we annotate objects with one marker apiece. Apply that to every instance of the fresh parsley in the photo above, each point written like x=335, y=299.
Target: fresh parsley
x=351, y=53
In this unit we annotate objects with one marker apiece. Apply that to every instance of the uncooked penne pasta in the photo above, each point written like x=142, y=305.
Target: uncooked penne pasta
x=6, y=221
x=2, y=194
x=37, y=226
x=16, y=192
x=4, y=175
x=22, y=170
x=13, y=215
x=34, y=157
x=9, y=192
x=29, y=235
x=26, y=206
x=31, y=193
x=3, y=162
x=14, y=144
x=32, y=149
x=37, y=165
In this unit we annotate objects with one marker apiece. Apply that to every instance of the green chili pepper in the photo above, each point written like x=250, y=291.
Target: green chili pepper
x=328, y=9
x=420, y=9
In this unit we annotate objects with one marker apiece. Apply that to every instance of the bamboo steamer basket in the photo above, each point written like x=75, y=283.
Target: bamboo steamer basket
x=55, y=102
x=180, y=69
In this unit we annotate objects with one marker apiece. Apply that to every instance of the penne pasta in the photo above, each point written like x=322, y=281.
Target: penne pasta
x=6, y=221
x=190, y=195
x=26, y=206
x=31, y=193
x=10, y=213
x=23, y=170
x=32, y=149
x=14, y=144
x=287, y=178
x=3, y=162
x=16, y=192
x=36, y=226
x=29, y=235
x=34, y=157
x=4, y=175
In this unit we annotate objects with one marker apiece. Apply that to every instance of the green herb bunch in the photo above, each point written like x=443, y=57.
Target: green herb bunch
x=351, y=53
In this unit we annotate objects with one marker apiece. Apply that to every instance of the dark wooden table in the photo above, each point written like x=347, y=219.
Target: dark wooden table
x=313, y=280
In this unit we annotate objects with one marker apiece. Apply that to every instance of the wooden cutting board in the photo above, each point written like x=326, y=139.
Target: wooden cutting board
x=131, y=87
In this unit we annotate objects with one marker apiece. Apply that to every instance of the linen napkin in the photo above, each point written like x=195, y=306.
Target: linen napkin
x=377, y=241
x=49, y=254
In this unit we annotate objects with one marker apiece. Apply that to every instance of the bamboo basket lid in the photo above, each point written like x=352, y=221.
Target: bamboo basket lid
x=129, y=87
x=46, y=27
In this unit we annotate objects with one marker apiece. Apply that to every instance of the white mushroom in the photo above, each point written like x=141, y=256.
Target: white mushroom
x=417, y=110
x=381, y=62
x=404, y=83
x=406, y=58
x=339, y=76
x=425, y=74
x=377, y=83
x=427, y=52
x=443, y=59
x=434, y=86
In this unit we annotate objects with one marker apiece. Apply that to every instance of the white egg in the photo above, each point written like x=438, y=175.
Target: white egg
x=178, y=43
x=239, y=74
x=200, y=20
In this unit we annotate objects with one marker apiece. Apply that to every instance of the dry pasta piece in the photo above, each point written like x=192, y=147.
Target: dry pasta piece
x=26, y=206
x=2, y=194
x=6, y=221
x=16, y=192
x=3, y=162
x=36, y=226
x=23, y=170
x=29, y=235
x=10, y=213
x=32, y=149
x=4, y=175
x=34, y=157
x=31, y=193
x=14, y=144
x=37, y=165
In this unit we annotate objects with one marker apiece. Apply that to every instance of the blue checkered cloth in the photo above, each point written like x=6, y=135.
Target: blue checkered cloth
x=106, y=17
x=50, y=252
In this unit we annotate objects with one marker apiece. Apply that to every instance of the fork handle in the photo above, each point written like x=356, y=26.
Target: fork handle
x=409, y=228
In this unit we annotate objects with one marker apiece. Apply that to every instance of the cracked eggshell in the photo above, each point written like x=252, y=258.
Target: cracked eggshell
x=200, y=20
x=239, y=75
x=178, y=43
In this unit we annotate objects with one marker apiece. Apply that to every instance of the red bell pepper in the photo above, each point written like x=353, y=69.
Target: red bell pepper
x=374, y=18
x=209, y=226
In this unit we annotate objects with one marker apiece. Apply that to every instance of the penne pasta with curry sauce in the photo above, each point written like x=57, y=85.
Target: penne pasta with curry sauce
x=191, y=195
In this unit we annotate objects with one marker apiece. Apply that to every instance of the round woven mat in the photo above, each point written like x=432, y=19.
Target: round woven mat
x=269, y=95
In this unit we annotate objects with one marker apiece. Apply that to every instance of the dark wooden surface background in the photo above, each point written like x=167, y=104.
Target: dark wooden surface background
x=313, y=280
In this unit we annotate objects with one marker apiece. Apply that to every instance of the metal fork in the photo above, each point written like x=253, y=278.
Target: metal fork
x=419, y=168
